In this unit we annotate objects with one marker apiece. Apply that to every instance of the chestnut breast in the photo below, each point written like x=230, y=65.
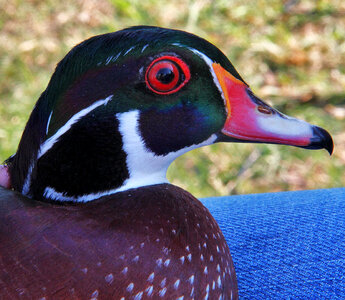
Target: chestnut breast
x=154, y=242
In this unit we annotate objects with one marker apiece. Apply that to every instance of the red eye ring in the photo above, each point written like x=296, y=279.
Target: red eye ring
x=166, y=75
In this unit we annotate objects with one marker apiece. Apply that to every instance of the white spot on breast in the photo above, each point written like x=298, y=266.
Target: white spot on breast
x=130, y=287
x=187, y=248
x=204, y=245
x=124, y=271
x=191, y=279
x=213, y=285
x=162, y=292
x=180, y=298
x=173, y=231
x=207, y=292
x=159, y=262
x=218, y=249
x=206, y=236
x=149, y=290
x=176, y=284
x=136, y=259
x=138, y=296
x=151, y=277
x=189, y=256
x=218, y=268
x=166, y=250
x=198, y=225
x=94, y=294
x=109, y=278
x=192, y=292
x=99, y=264
x=182, y=259
x=161, y=230
x=142, y=245
x=157, y=240
x=163, y=282
x=219, y=282
x=167, y=262
x=211, y=258
x=122, y=257
x=205, y=270
x=84, y=270
x=201, y=257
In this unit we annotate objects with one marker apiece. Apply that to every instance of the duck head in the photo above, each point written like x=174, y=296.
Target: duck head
x=121, y=107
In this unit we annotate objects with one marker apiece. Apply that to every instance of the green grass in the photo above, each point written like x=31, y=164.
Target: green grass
x=292, y=55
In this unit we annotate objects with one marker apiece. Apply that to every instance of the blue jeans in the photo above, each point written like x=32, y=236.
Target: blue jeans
x=288, y=245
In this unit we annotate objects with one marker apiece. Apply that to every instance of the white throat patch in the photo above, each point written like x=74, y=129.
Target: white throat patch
x=144, y=166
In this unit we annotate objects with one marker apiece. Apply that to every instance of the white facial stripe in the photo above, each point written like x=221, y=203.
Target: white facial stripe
x=289, y=127
x=142, y=50
x=129, y=50
x=110, y=59
x=27, y=182
x=48, y=122
x=50, y=193
x=209, y=62
x=53, y=139
x=145, y=168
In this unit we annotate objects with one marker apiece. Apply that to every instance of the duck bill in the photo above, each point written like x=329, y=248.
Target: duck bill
x=249, y=119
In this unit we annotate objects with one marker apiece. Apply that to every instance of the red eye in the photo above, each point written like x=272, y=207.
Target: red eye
x=166, y=75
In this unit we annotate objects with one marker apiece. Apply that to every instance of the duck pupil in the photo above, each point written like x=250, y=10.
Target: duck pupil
x=165, y=75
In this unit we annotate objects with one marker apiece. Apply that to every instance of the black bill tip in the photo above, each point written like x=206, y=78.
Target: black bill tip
x=321, y=139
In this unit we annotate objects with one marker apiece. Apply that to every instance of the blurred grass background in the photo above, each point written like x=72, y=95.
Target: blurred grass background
x=292, y=53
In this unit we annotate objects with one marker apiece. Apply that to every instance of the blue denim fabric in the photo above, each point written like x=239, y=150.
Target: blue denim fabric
x=288, y=245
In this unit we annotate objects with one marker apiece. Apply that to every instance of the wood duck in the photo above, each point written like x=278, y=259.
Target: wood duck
x=97, y=218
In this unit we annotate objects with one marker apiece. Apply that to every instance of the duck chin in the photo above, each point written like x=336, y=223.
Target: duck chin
x=144, y=166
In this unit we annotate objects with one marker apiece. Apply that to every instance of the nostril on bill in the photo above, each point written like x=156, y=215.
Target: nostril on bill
x=264, y=110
